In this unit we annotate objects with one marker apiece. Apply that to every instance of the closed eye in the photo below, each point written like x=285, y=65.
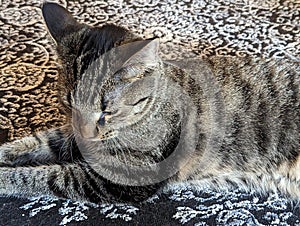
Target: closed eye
x=132, y=73
x=139, y=101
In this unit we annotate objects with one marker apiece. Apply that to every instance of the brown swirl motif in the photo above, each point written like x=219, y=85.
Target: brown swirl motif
x=28, y=72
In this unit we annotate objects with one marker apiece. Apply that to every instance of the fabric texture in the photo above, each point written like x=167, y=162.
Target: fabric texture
x=28, y=97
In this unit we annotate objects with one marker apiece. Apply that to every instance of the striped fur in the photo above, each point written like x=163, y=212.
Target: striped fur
x=245, y=133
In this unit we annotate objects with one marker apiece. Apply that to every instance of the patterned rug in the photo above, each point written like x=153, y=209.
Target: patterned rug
x=28, y=97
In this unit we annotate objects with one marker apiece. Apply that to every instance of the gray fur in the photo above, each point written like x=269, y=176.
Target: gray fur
x=245, y=133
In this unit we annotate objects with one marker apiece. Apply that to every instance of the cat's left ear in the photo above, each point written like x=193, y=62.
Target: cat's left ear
x=59, y=21
x=147, y=55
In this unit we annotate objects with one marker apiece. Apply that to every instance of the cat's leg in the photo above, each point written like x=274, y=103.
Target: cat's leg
x=51, y=146
x=72, y=181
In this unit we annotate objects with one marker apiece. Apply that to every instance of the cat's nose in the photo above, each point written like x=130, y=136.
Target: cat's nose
x=85, y=124
x=103, y=117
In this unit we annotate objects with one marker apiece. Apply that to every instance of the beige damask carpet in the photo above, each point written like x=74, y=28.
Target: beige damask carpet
x=28, y=72
x=28, y=97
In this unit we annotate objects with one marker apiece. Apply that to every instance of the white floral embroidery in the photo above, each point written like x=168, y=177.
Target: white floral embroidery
x=78, y=211
x=231, y=208
x=118, y=211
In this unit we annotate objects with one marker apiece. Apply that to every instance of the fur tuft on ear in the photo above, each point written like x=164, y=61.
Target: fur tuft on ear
x=59, y=21
x=148, y=55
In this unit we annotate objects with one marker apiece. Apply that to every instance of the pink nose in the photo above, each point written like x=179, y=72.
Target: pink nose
x=85, y=124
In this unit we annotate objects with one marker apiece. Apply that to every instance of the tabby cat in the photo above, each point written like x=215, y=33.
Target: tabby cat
x=138, y=124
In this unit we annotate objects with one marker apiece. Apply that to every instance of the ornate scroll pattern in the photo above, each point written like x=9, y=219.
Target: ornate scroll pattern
x=28, y=69
x=28, y=72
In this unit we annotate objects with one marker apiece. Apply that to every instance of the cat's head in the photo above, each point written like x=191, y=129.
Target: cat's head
x=131, y=107
x=125, y=101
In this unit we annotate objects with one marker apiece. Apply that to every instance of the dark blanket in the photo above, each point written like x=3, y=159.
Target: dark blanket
x=28, y=98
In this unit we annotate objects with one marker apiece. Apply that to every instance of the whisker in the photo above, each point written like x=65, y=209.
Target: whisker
x=72, y=139
x=120, y=140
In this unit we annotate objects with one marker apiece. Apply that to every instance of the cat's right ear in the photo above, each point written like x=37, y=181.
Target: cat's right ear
x=59, y=21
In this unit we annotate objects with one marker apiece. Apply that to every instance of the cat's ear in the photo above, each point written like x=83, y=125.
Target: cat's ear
x=59, y=21
x=147, y=55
